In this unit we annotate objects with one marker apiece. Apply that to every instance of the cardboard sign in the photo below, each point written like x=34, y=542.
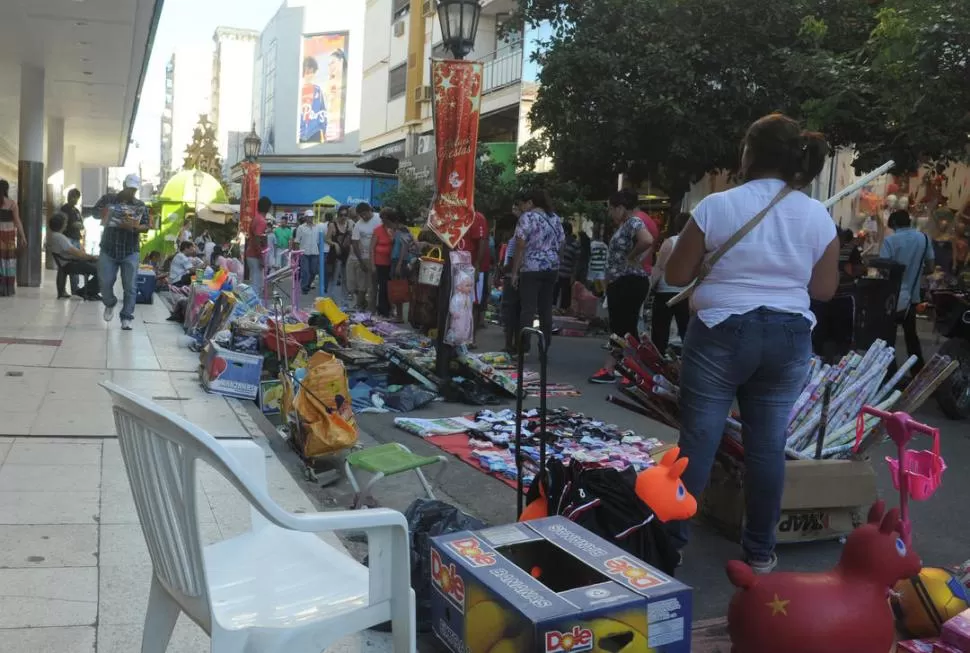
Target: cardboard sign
x=551, y=586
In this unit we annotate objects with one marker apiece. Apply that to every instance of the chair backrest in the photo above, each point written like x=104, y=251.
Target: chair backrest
x=160, y=450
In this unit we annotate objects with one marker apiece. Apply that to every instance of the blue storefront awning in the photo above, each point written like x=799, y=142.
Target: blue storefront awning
x=287, y=191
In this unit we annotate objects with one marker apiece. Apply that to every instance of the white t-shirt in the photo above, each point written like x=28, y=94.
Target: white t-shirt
x=769, y=267
x=662, y=256
x=306, y=239
x=363, y=233
x=320, y=233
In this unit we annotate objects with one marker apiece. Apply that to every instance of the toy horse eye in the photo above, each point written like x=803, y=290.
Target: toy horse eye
x=900, y=546
x=681, y=492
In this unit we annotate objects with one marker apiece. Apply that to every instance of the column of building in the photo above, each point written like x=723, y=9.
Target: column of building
x=31, y=182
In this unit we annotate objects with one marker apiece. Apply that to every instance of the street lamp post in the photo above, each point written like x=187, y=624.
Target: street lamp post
x=198, y=178
x=459, y=27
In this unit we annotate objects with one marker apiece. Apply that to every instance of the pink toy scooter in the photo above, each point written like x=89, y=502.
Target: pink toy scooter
x=916, y=474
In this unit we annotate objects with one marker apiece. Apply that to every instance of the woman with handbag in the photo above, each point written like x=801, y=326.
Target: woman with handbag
x=628, y=282
x=750, y=336
x=12, y=240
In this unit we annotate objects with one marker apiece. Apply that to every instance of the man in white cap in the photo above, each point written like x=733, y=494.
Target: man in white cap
x=307, y=240
x=124, y=218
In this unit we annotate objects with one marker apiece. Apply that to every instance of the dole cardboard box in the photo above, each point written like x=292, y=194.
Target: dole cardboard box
x=822, y=499
x=231, y=373
x=551, y=586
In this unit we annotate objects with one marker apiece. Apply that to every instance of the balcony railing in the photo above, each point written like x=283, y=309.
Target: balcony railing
x=502, y=68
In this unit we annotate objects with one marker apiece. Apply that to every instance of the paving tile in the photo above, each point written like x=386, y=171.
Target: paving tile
x=123, y=545
x=125, y=638
x=17, y=423
x=123, y=594
x=49, y=478
x=25, y=452
x=49, y=507
x=91, y=417
x=77, y=385
x=94, y=356
x=29, y=355
x=36, y=598
x=75, y=639
x=148, y=384
x=48, y=546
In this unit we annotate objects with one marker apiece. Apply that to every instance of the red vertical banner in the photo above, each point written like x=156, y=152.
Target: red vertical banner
x=250, y=194
x=457, y=104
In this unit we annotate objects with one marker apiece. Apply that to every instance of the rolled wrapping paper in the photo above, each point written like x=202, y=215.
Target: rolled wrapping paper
x=796, y=441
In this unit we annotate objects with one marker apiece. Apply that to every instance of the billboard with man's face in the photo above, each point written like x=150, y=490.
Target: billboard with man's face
x=323, y=89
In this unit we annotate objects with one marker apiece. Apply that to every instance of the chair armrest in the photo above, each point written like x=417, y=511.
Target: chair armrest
x=346, y=520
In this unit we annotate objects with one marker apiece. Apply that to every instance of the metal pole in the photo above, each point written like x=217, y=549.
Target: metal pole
x=321, y=283
x=444, y=350
x=195, y=216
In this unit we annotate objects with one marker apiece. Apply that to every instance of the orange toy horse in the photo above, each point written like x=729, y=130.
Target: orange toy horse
x=660, y=488
x=840, y=611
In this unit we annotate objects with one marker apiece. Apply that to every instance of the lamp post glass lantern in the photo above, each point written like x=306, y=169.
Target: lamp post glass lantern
x=459, y=25
x=251, y=144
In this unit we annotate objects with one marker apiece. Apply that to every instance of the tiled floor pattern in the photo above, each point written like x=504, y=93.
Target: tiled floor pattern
x=74, y=570
x=53, y=354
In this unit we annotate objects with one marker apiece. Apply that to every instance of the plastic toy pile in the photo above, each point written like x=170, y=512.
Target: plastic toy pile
x=823, y=421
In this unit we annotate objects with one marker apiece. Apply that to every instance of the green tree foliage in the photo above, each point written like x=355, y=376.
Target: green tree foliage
x=411, y=196
x=905, y=92
x=663, y=89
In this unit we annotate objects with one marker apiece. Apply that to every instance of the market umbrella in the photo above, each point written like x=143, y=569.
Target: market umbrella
x=181, y=188
x=326, y=200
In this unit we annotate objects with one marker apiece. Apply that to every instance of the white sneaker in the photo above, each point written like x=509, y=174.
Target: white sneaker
x=126, y=325
x=109, y=312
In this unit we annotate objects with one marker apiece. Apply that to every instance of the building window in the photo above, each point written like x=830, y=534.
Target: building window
x=401, y=7
x=397, y=81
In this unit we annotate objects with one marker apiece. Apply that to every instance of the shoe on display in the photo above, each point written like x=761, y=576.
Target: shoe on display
x=604, y=376
x=126, y=325
x=109, y=312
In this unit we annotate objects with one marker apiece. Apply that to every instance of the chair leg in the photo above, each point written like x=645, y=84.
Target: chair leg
x=363, y=496
x=160, y=619
x=424, y=483
x=404, y=626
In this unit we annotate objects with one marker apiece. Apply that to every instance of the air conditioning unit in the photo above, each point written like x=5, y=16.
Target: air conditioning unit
x=422, y=94
x=429, y=8
x=399, y=28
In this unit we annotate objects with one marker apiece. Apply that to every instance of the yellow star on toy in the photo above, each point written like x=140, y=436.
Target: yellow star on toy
x=778, y=606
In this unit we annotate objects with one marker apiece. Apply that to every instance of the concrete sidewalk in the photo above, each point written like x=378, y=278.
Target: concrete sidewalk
x=74, y=569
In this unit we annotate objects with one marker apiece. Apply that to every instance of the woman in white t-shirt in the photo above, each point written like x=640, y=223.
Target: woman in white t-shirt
x=750, y=338
x=662, y=315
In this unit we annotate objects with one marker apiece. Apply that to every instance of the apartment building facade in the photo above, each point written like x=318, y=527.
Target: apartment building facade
x=396, y=118
x=232, y=85
x=306, y=104
x=188, y=92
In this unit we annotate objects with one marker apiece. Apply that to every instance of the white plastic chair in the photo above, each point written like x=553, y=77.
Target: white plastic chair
x=276, y=588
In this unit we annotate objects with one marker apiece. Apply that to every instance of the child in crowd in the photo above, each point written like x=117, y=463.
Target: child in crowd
x=598, y=252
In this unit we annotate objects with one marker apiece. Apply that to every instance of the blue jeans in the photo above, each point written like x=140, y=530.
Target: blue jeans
x=761, y=358
x=108, y=268
x=256, y=274
x=309, y=268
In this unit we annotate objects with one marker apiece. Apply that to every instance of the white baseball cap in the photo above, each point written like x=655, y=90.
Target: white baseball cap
x=309, y=213
x=132, y=181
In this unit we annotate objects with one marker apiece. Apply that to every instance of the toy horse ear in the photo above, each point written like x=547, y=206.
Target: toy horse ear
x=678, y=468
x=890, y=522
x=670, y=457
x=876, y=512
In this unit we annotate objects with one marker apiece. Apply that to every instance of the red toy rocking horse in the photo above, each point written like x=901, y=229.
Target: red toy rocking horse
x=840, y=611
